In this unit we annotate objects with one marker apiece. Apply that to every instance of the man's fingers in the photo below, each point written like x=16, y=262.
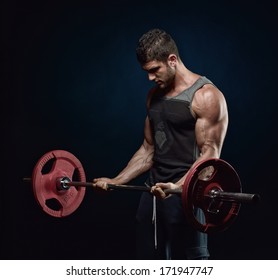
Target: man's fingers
x=163, y=185
x=158, y=192
x=98, y=183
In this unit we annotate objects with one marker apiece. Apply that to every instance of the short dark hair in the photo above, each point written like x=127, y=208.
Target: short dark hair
x=156, y=44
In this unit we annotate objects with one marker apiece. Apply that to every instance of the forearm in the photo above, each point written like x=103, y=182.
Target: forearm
x=141, y=162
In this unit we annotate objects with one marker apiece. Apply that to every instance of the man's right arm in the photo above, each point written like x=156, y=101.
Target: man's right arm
x=140, y=162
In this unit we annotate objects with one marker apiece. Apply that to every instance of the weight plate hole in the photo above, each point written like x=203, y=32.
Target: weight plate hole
x=48, y=166
x=206, y=173
x=76, y=176
x=53, y=204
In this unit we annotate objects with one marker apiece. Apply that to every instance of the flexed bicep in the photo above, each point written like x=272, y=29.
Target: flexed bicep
x=212, y=120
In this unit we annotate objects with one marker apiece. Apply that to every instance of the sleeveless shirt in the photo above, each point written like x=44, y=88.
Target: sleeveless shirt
x=173, y=128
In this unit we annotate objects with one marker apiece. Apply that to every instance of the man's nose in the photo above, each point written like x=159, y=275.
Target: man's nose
x=151, y=76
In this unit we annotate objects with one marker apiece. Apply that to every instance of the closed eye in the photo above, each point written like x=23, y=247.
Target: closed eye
x=153, y=70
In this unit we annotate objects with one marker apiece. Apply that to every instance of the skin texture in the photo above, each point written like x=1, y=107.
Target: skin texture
x=208, y=107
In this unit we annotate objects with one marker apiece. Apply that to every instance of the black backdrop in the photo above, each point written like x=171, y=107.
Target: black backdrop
x=71, y=81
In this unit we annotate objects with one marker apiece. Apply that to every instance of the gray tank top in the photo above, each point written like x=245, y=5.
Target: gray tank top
x=173, y=128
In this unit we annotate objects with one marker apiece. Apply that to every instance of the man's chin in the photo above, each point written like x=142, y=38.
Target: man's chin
x=161, y=85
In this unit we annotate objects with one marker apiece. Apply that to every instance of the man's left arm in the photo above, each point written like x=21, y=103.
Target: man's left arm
x=210, y=109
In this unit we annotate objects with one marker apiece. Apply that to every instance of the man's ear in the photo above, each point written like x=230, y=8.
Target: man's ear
x=172, y=60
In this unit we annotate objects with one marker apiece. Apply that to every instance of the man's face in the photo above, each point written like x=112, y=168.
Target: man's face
x=160, y=72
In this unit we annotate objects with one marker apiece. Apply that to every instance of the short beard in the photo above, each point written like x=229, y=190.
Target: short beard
x=170, y=77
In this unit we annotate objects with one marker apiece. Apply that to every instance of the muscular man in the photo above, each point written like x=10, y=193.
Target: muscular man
x=186, y=122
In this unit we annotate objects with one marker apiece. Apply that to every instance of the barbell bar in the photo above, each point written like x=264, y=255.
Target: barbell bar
x=65, y=183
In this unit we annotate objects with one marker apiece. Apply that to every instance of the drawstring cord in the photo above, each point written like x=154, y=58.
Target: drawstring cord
x=154, y=219
x=154, y=222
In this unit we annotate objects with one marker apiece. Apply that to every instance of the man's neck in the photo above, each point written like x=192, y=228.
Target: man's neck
x=184, y=79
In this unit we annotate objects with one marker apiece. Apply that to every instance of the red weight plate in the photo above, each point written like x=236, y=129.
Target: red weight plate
x=207, y=175
x=53, y=165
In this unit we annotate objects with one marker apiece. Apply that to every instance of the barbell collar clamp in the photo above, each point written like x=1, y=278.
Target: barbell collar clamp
x=62, y=183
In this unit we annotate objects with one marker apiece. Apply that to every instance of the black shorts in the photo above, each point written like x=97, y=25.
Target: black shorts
x=175, y=238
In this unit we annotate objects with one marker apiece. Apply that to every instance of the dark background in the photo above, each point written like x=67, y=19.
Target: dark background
x=71, y=81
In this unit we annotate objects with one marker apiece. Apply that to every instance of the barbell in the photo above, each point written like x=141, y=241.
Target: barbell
x=212, y=185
